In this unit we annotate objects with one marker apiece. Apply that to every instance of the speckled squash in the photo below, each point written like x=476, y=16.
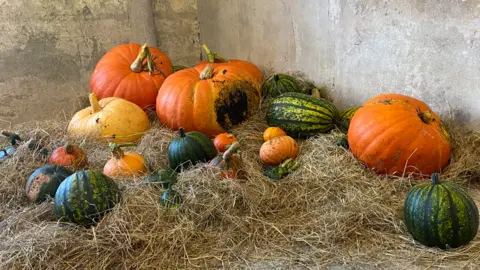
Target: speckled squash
x=44, y=182
x=190, y=148
x=85, y=197
x=441, y=214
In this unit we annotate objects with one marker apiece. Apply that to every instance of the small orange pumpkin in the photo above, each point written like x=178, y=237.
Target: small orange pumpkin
x=272, y=132
x=278, y=149
x=124, y=164
x=222, y=140
x=69, y=155
x=230, y=163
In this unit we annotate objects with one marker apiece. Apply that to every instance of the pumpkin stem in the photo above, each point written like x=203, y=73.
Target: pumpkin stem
x=425, y=116
x=435, y=180
x=213, y=57
x=231, y=149
x=68, y=148
x=181, y=132
x=94, y=103
x=137, y=65
x=117, y=149
x=207, y=73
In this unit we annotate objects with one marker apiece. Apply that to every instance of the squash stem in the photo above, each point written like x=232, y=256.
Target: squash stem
x=316, y=93
x=231, y=150
x=181, y=132
x=435, y=180
x=116, y=149
x=68, y=148
x=213, y=57
x=207, y=73
x=137, y=65
x=94, y=103
x=13, y=137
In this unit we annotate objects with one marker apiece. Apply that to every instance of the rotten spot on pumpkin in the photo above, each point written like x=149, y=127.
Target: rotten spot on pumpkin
x=224, y=72
x=33, y=190
x=235, y=103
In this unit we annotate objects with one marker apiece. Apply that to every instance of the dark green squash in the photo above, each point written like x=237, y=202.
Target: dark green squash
x=301, y=115
x=44, y=182
x=276, y=173
x=189, y=149
x=346, y=116
x=170, y=198
x=163, y=178
x=280, y=83
x=85, y=197
x=440, y=214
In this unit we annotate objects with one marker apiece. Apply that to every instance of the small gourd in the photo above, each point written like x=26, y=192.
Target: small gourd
x=222, y=140
x=272, y=132
x=278, y=149
x=230, y=163
x=69, y=155
x=124, y=164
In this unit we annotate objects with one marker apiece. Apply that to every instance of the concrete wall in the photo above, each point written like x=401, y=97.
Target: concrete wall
x=428, y=49
x=48, y=49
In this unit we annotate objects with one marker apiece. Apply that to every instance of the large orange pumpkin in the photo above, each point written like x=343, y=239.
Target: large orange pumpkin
x=394, y=133
x=209, y=98
x=131, y=72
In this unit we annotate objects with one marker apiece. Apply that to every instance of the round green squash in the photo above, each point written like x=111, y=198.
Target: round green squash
x=279, y=83
x=301, y=115
x=85, y=196
x=44, y=182
x=440, y=214
x=163, y=178
x=189, y=149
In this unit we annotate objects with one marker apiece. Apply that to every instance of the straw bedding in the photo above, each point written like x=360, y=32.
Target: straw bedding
x=329, y=213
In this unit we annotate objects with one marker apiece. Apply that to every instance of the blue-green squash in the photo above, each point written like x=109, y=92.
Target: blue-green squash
x=440, y=214
x=301, y=115
x=85, y=197
x=189, y=149
x=44, y=182
x=162, y=178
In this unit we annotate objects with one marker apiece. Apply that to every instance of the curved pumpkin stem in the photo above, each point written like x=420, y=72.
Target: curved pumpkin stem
x=116, y=149
x=213, y=57
x=207, y=73
x=137, y=65
x=231, y=149
x=94, y=103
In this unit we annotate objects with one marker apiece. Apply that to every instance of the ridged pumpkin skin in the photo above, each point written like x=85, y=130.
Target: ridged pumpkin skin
x=113, y=76
x=44, y=182
x=278, y=149
x=110, y=119
x=212, y=103
x=279, y=83
x=85, y=197
x=441, y=214
x=301, y=115
x=393, y=134
x=189, y=149
x=235, y=66
x=69, y=155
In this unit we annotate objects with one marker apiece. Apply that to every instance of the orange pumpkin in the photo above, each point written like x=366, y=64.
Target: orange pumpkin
x=394, y=133
x=272, y=132
x=69, y=155
x=210, y=98
x=278, y=149
x=124, y=164
x=131, y=72
x=222, y=140
x=230, y=163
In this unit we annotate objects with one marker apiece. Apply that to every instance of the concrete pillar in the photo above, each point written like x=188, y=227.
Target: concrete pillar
x=142, y=22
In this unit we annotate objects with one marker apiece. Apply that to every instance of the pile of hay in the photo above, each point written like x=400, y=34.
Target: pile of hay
x=331, y=212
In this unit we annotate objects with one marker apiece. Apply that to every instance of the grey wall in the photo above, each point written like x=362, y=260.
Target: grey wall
x=429, y=49
x=48, y=49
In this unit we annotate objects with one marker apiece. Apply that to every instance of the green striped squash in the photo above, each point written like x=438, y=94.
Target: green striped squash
x=440, y=214
x=279, y=83
x=346, y=116
x=85, y=196
x=189, y=149
x=301, y=115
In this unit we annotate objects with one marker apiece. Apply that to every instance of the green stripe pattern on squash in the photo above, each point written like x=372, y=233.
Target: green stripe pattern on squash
x=85, y=196
x=441, y=215
x=189, y=149
x=301, y=115
x=279, y=83
x=346, y=116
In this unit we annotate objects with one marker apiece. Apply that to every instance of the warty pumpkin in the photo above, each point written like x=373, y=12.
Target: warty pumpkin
x=69, y=155
x=210, y=98
x=397, y=134
x=278, y=149
x=124, y=164
x=131, y=72
x=110, y=119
